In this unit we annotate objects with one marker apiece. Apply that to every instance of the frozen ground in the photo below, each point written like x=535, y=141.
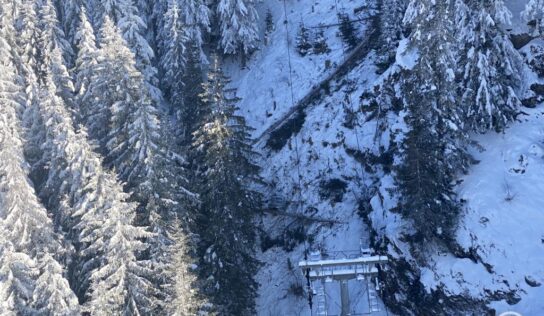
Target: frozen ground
x=504, y=193
x=264, y=88
x=504, y=219
x=516, y=7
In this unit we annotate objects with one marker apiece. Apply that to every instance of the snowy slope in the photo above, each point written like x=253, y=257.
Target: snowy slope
x=503, y=220
x=322, y=142
x=264, y=86
x=516, y=7
x=503, y=197
x=319, y=162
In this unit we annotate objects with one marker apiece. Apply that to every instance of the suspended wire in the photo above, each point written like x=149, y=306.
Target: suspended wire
x=297, y=150
x=360, y=176
x=297, y=153
x=356, y=123
x=334, y=301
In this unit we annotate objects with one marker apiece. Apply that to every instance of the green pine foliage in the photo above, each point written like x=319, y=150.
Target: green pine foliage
x=225, y=174
x=303, y=44
x=434, y=150
x=193, y=110
x=348, y=31
x=320, y=45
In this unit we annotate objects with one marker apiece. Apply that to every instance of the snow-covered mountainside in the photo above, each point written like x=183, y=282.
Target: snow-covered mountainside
x=502, y=224
x=322, y=143
x=271, y=158
x=501, y=232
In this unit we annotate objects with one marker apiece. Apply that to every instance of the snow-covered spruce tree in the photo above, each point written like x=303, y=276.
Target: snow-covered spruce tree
x=52, y=294
x=111, y=80
x=119, y=284
x=184, y=298
x=26, y=232
x=127, y=18
x=173, y=38
x=115, y=102
x=195, y=18
x=122, y=117
x=434, y=148
x=173, y=53
x=390, y=30
x=156, y=19
x=93, y=211
x=237, y=26
x=132, y=139
x=225, y=174
x=145, y=8
x=491, y=67
x=27, y=42
x=28, y=64
x=173, y=58
x=133, y=29
x=534, y=16
x=70, y=14
x=303, y=42
x=51, y=36
x=61, y=77
x=55, y=52
x=17, y=275
x=100, y=9
x=183, y=25
x=139, y=152
x=86, y=61
x=192, y=110
x=181, y=60
x=192, y=19
x=27, y=38
x=51, y=63
x=348, y=32
x=27, y=218
x=146, y=12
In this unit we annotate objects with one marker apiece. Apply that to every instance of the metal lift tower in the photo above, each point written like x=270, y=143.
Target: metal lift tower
x=342, y=268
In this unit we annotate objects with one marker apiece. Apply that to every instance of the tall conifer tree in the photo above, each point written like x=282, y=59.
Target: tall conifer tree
x=491, y=67
x=29, y=246
x=237, y=25
x=434, y=148
x=225, y=174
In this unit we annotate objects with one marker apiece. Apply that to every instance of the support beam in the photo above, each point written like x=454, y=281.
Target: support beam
x=344, y=297
x=362, y=268
x=343, y=274
x=342, y=262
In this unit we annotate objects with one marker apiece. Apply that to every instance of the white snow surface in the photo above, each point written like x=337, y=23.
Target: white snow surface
x=504, y=219
x=406, y=58
x=516, y=7
x=265, y=92
x=264, y=86
x=504, y=213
